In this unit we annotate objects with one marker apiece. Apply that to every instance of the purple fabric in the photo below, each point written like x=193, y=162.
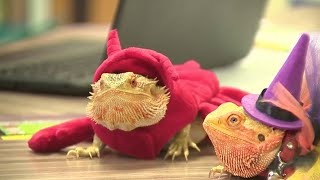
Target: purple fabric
x=291, y=73
x=290, y=76
x=313, y=77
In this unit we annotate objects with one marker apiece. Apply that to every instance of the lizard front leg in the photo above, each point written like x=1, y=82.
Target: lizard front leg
x=181, y=142
x=91, y=151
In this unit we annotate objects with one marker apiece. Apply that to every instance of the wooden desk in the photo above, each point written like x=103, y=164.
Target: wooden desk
x=18, y=162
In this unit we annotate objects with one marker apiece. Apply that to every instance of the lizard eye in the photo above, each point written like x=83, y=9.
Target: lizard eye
x=101, y=84
x=133, y=82
x=261, y=137
x=233, y=120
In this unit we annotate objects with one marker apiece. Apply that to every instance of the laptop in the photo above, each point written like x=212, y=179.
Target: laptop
x=63, y=64
x=215, y=33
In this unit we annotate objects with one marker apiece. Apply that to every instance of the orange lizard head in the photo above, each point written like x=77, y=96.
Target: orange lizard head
x=246, y=147
x=127, y=101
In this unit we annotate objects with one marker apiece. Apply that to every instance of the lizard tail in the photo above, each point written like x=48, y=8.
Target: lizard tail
x=60, y=136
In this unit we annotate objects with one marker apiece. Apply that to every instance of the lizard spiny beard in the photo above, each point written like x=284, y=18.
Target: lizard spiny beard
x=126, y=111
x=240, y=158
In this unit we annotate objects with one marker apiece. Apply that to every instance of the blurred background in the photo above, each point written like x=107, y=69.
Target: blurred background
x=52, y=47
x=20, y=18
x=45, y=33
x=54, y=33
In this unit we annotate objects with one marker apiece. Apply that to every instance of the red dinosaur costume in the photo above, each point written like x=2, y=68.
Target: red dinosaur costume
x=192, y=90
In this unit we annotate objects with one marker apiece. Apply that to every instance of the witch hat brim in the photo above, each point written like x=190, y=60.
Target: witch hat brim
x=249, y=102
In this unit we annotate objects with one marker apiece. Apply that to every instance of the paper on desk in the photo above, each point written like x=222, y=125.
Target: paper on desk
x=17, y=129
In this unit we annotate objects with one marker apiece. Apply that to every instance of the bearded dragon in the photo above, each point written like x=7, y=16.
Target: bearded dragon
x=137, y=115
x=278, y=126
x=245, y=146
x=127, y=101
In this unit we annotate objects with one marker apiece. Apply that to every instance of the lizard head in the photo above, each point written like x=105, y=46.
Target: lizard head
x=127, y=101
x=246, y=147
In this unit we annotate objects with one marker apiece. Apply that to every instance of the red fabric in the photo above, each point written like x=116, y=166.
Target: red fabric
x=225, y=94
x=57, y=137
x=288, y=155
x=192, y=90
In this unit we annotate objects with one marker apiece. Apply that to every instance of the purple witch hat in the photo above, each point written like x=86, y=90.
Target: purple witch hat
x=290, y=76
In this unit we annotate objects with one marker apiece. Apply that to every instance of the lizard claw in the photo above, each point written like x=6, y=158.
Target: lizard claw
x=91, y=151
x=218, y=170
x=173, y=150
x=181, y=143
x=194, y=145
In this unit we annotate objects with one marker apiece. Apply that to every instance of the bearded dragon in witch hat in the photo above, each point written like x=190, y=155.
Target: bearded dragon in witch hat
x=272, y=133
x=140, y=104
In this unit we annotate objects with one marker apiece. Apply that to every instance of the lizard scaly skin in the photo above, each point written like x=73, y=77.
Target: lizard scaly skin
x=245, y=146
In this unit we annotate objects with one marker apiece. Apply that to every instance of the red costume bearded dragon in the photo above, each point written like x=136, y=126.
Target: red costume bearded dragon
x=140, y=102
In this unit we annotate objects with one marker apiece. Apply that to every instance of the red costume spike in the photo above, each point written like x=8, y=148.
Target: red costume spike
x=113, y=43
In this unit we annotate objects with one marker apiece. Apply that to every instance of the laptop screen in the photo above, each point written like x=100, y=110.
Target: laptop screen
x=215, y=33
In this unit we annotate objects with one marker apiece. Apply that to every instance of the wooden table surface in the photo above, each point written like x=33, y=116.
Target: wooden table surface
x=18, y=162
